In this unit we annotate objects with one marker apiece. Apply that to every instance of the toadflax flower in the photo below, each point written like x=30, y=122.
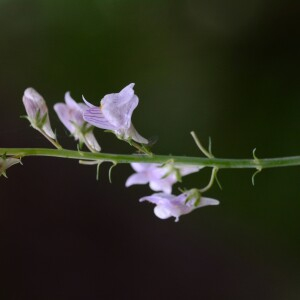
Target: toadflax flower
x=159, y=177
x=7, y=162
x=168, y=205
x=115, y=113
x=71, y=115
x=37, y=113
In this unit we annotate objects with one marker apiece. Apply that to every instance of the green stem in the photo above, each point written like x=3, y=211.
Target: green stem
x=221, y=163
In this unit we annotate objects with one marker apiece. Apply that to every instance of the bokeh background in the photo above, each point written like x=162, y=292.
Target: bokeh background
x=228, y=70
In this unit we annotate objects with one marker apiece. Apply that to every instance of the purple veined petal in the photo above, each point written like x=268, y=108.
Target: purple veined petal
x=133, y=134
x=95, y=117
x=118, y=107
x=127, y=92
x=121, y=98
x=63, y=114
x=92, y=142
x=137, y=178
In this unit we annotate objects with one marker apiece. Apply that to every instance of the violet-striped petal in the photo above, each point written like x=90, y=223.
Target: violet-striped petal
x=95, y=117
x=118, y=108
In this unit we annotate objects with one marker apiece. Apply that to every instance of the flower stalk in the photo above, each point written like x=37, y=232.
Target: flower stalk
x=220, y=163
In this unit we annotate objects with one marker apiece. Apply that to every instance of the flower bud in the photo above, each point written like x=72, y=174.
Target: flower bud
x=37, y=112
x=7, y=162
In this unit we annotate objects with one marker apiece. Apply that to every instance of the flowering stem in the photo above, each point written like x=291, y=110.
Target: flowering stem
x=221, y=163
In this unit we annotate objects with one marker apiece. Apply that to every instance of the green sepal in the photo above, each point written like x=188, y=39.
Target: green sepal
x=194, y=194
x=43, y=120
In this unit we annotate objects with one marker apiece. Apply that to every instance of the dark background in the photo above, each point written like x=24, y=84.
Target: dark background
x=226, y=69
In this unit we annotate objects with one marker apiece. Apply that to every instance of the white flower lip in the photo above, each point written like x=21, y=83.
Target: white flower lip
x=115, y=114
x=168, y=205
x=160, y=178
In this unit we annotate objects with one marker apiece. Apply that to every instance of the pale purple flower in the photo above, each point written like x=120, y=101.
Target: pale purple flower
x=115, y=113
x=71, y=115
x=37, y=112
x=7, y=162
x=167, y=205
x=159, y=177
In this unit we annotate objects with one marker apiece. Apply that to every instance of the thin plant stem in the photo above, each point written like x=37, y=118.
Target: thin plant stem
x=221, y=163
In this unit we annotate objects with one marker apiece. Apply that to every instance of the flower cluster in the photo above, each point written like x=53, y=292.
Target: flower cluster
x=114, y=114
x=161, y=178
